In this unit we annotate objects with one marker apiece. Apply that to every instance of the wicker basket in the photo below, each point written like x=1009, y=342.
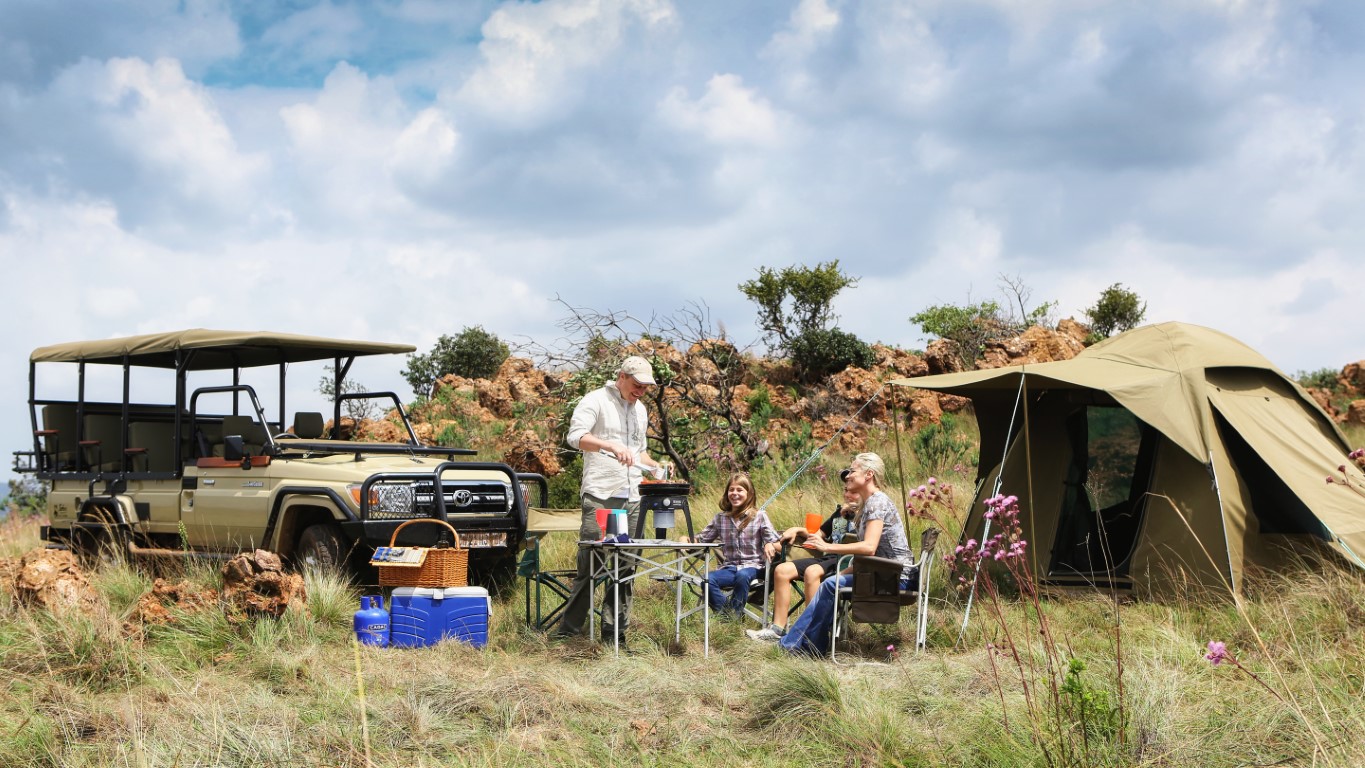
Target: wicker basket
x=442, y=567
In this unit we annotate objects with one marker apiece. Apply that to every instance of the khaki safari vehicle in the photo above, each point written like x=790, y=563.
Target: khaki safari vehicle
x=208, y=471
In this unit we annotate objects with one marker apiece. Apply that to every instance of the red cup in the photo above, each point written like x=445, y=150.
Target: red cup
x=813, y=522
x=602, y=519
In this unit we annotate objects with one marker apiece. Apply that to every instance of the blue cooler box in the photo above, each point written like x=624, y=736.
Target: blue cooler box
x=420, y=616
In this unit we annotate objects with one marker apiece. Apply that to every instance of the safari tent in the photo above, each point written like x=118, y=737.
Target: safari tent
x=1168, y=455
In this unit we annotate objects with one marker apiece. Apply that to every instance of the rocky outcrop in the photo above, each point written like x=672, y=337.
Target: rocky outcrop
x=1035, y=345
x=1355, y=413
x=531, y=453
x=943, y=356
x=1352, y=378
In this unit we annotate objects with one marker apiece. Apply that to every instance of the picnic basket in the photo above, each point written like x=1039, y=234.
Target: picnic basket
x=443, y=566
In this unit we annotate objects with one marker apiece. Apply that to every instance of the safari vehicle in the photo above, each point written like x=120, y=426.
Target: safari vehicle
x=208, y=471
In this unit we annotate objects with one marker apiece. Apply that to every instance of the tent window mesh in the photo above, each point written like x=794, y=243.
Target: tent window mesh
x=1108, y=476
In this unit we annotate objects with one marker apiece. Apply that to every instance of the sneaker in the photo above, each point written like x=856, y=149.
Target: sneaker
x=769, y=634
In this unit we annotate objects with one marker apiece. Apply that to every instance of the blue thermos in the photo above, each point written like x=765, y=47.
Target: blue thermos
x=372, y=621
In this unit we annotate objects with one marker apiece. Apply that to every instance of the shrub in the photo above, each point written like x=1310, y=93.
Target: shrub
x=1116, y=310
x=1322, y=378
x=818, y=353
x=472, y=353
x=27, y=497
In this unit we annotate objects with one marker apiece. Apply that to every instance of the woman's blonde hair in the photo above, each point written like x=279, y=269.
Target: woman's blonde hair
x=743, y=514
x=873, y=463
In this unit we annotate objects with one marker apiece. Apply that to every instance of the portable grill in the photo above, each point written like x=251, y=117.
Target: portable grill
x=662, y=501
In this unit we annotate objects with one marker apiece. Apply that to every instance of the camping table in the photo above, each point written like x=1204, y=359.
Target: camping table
x=674, y=560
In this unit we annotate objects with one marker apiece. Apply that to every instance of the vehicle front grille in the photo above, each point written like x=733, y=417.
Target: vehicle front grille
x=409, y=499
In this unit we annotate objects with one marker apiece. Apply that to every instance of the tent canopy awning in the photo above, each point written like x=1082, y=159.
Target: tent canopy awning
x=213, y=350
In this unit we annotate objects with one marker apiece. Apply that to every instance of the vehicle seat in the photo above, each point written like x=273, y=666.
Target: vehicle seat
x=158, y=440
x=308, y=425
x=102, y=447
x=59, y=436
x=252, y=434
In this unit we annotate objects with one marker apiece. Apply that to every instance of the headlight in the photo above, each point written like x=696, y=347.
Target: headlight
x=507, y=495
x=387, y=498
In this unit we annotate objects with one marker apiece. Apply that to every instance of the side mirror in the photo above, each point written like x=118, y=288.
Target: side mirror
x=233, y=448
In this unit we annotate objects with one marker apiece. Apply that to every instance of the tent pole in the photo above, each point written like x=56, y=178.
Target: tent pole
x=900, y=462
x=986, y=530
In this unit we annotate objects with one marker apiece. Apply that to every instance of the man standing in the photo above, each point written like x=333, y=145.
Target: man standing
x=608, y=426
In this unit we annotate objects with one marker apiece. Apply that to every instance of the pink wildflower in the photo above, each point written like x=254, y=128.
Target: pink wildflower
x=1218, y=652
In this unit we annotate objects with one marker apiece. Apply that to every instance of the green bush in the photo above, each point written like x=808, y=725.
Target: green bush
x=1116, y=310
x=27, y=497
x=1322, y=378
x=818, y=353
x=472, y=353
x=760, y=408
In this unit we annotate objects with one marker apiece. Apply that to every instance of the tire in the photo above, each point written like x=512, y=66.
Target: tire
x=320, y=547
x=499, y=576
x=100, y=548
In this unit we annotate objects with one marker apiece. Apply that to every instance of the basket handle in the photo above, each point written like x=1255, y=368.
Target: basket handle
x=394, y=538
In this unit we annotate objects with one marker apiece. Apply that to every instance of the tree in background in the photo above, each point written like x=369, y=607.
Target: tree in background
x=27, y=497
x=795, y=313
x=357, y=409
x=1116, y=311
x=972, y=326
x=472, y=353
x=694, y=416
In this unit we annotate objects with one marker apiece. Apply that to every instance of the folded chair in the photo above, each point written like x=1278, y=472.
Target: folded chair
x=876, y=596
x=547, y=590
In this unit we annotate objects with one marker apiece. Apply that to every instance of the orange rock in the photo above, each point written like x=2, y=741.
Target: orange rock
x=52, y=579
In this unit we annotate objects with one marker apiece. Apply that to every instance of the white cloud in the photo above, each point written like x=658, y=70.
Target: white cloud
x=533, y=54
x=727, y=114
x=810, y=24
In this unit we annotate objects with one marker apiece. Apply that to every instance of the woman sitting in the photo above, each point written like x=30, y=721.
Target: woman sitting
x=879, y=532
x=811, y=570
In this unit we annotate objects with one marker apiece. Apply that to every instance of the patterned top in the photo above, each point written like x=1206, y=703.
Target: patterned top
x=742, y=549
x=893, y=544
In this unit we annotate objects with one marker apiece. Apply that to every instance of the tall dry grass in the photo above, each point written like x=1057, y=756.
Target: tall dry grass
x=204, y=691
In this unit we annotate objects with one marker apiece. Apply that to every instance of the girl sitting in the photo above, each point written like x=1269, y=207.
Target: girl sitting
x=742, y=531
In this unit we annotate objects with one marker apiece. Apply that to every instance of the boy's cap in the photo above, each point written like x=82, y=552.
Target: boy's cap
x=639, y=369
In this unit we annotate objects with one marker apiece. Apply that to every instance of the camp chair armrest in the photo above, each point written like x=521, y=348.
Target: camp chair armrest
x=876, y=564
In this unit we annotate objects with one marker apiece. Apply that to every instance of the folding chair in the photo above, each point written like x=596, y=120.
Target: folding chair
x=876, y=596
x=554, y=585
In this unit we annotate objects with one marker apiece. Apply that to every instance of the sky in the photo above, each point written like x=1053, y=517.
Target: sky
x=398, y=170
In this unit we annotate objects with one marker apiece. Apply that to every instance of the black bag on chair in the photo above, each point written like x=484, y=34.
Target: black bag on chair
x=876, y=595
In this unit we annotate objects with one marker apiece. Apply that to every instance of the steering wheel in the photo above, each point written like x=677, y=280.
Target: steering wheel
x=287, y=435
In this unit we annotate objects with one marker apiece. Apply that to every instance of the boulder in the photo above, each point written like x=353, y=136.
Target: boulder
x=53, y=579
x=168, y=600
x=1355, y=413
x=943, y=356
x=256, y=583
x=1353, y=378
x=530, y=453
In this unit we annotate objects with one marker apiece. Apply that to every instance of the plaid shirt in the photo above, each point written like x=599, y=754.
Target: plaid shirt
x=742, y=549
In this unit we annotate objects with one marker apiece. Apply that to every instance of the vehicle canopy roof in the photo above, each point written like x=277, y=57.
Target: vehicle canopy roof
x=213, y=350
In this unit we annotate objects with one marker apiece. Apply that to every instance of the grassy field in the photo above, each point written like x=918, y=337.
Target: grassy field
x=1069, y=681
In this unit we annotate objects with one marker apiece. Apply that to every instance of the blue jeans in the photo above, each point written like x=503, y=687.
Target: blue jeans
x=812, y=630
x=734, y=579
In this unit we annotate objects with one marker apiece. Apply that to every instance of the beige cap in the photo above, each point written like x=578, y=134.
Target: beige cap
x=639, y=369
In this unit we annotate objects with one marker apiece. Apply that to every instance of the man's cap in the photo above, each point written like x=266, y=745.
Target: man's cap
x=639, y=369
